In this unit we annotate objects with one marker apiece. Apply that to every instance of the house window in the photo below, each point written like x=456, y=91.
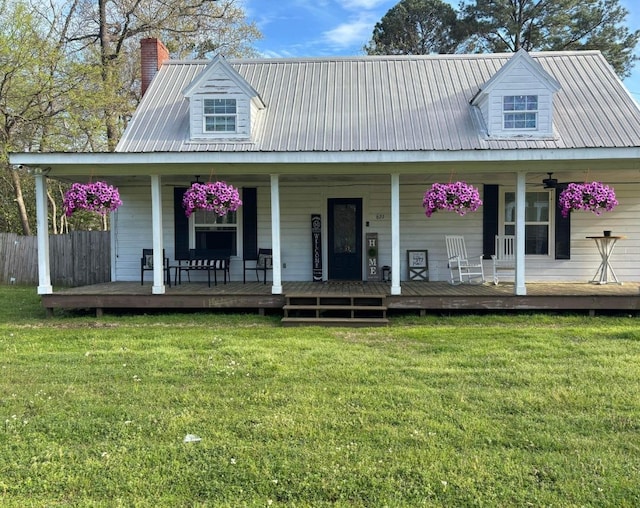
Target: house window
x=537, y=218
x=520, y=112
x=219, y=115
x=214, y=232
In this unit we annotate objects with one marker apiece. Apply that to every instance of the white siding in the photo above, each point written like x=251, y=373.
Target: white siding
x=422, y=232
x=254, y=115
x=132, y=229
x=622, y=221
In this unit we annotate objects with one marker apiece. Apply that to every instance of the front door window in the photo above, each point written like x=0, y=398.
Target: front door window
x=345, y=239
x=344, y=228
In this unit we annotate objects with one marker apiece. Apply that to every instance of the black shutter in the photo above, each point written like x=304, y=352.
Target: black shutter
x=562, y=228
x=489, y=219
x=249, y=223
x=180, y=225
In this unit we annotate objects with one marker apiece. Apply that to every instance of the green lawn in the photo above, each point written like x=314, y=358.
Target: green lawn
x=491, y=410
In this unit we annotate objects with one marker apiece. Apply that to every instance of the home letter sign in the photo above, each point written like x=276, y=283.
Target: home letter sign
x=372, y=257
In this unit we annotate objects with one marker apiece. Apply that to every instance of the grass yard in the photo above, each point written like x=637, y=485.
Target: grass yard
x=491, y=410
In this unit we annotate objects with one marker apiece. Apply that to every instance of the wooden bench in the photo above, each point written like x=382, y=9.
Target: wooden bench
x=205, y=260
x=504, y=258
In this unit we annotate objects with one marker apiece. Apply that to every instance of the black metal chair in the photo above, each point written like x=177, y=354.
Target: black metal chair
x=262, y=263
x=146, y=265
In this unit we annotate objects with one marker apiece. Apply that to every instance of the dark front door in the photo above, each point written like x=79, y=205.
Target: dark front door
x=345, y=238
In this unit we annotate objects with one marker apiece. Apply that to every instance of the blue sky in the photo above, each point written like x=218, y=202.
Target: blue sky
x=299, y=28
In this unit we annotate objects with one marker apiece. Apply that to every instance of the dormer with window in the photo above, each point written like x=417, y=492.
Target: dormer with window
x=517, y=102
x=223, y=106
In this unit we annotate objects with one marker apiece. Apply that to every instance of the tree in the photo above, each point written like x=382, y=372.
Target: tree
x=69, y=79
x=33, y=85
x=552, y=25
x=107, y=33
x=416, y=27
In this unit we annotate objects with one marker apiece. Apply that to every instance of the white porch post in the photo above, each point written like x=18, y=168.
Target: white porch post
x=395, y=234
x=521, y=196
x=44, y=267
x=156, y=228
x=276, y=288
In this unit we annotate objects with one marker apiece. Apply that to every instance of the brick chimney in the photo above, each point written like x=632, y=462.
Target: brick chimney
x=152, y=55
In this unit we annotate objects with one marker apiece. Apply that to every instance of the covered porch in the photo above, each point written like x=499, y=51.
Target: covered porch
x=336, y=301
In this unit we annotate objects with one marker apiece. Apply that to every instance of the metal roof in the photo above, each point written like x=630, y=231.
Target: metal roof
x=387, y=103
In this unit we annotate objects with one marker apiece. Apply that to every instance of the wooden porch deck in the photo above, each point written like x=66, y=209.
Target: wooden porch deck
x=421, y=297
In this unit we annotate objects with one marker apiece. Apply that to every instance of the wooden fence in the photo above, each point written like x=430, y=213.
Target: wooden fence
x=77, y=259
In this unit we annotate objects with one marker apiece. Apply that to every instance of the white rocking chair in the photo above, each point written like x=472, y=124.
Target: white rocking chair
x=505, y=258
x=460, y=268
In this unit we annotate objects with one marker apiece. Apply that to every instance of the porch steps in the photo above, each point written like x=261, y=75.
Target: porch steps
x=348, y=310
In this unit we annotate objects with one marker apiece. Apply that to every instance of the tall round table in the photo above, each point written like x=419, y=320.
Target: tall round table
x=605, y=246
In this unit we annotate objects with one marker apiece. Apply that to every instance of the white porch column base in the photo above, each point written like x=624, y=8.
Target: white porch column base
x=276, y=287
x=156, y=227
x=395, y=234
x=44, y=266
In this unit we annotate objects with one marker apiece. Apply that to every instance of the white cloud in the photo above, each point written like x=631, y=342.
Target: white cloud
x=357, y=5
x=289, y=52
x=357, y=30
x=351, y=33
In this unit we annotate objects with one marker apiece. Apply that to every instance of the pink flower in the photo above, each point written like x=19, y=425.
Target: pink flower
x=594, y=197
x=458, y=197
x=95, y=197
x=218, y=197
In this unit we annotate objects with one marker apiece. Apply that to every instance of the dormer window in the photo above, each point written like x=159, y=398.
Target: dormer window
x=520, y=112
x=223, y=106
x=517, y=101
x=219, y=115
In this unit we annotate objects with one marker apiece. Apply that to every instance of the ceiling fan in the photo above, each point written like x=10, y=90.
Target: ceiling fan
x=550, y=182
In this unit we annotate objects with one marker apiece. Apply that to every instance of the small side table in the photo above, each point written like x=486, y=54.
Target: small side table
x=605, y=245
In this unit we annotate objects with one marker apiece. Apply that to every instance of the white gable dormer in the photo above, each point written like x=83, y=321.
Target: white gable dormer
x=222, y=104
x=517, y=102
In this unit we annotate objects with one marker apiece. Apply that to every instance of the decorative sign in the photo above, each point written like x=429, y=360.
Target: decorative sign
x=418, y=265
x=373, y=274
x=316, y=246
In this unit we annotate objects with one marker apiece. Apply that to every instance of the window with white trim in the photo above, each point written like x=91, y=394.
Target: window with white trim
x=520, y=112
x=537, y=216
x=213, y=232
x=219, y=115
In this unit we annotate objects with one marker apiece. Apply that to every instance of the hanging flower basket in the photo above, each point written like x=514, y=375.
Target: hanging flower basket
x=458, y=197
x=95, y=197
x=217, y=197
x=593, y=197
